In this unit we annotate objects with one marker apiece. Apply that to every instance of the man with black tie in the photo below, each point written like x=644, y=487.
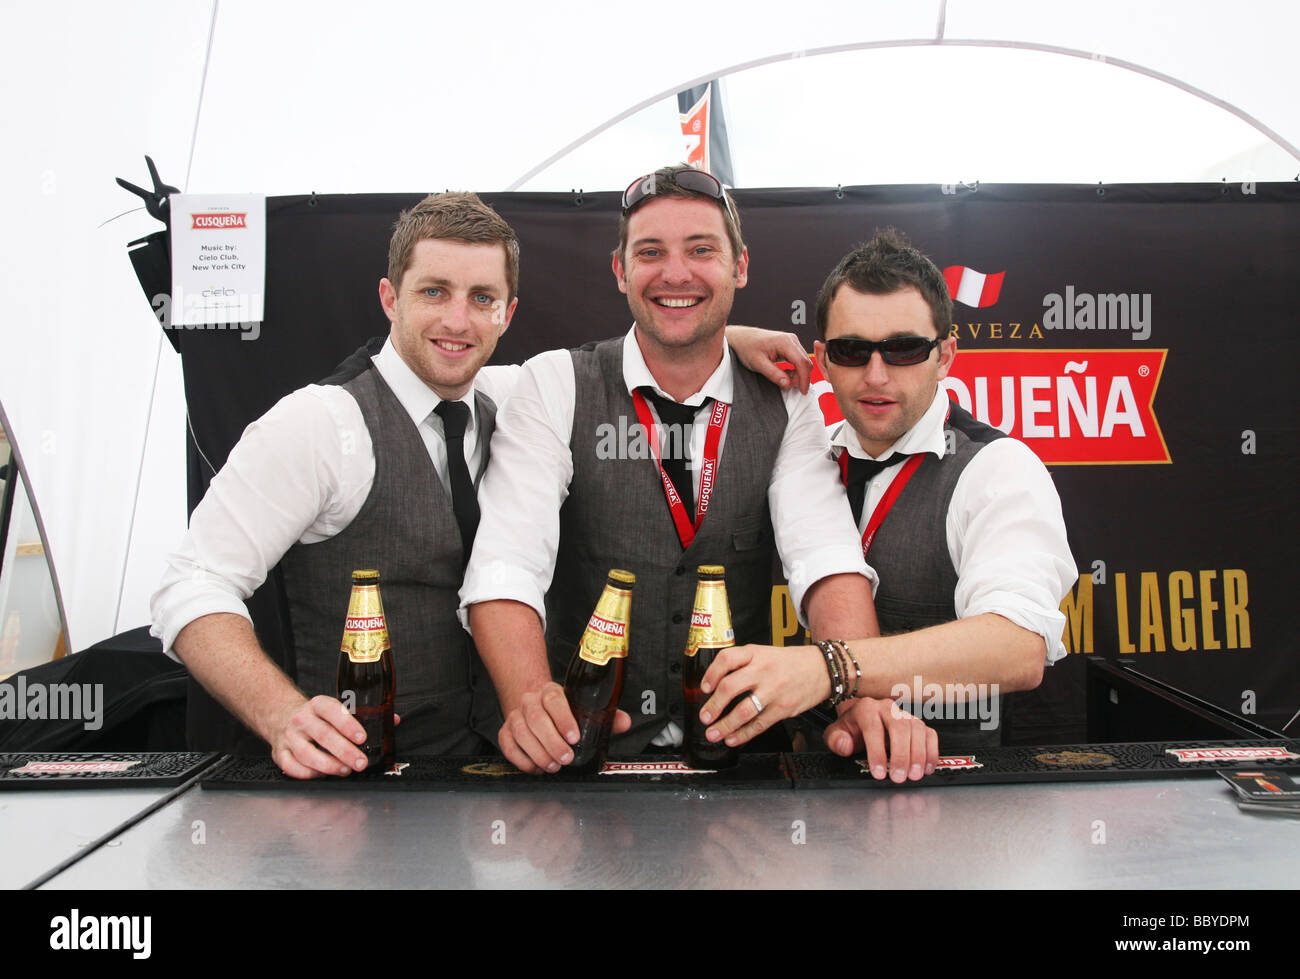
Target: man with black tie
x=562, y=506
x=961, y=523
x=373, y=468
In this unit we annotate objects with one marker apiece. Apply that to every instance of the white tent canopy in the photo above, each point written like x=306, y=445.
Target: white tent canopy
x=279, y=98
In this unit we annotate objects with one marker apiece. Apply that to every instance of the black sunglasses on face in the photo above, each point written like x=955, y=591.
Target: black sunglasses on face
x=696, y=181
x=896, y=351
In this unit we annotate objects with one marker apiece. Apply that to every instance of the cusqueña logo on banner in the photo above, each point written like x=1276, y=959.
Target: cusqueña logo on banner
x=1074, y=406
x=1071, y=405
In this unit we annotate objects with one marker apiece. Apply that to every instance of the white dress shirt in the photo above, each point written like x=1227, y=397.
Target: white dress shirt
x=299, y=474
x=532, y=466
x=1006, y=534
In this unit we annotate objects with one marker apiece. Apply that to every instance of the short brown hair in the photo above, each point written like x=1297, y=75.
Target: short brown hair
x=665, y=185
x=454, y=216
x=887, y=264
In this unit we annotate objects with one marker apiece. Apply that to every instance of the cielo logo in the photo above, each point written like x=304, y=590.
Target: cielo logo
x=219, y=219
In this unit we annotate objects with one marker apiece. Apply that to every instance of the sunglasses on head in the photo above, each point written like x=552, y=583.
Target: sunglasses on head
x=896, y=351
x=696, y=181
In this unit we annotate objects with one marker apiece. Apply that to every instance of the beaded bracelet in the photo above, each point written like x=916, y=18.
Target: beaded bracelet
x=832, y=668
x=853, y=660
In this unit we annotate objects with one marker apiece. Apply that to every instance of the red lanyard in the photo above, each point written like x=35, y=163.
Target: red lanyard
x=882, y=508
x=887, y=502
x=708, y=473
x=895, y=489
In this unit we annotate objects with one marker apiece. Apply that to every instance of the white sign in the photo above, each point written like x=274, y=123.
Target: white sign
x=218, y=262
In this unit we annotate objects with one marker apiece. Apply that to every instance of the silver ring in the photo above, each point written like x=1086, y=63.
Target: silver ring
x=758, y=704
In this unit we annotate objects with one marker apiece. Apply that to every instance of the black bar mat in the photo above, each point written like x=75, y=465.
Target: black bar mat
x=99, y=769
x=427, y=773
x=1056, y=763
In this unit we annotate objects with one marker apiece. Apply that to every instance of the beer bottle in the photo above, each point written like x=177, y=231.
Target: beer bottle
x=366, y=683
x=594, y=680
x=710, y=633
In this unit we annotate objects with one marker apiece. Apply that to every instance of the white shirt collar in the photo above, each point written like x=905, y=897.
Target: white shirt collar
x=925, y=436
x=416, y=398
x=636, y=374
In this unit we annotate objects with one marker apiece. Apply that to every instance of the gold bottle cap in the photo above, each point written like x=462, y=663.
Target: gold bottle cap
x=625, y=577
x=711, y=569
x=365, y=575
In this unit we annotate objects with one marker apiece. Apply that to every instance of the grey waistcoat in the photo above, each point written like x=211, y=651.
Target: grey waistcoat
x=407, y=531
x=917, y=577
x=616, y=516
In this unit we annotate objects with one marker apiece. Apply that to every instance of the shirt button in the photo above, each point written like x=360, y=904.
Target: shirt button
x=677, y=618
x=675, y=668
x=675, y=711
x=680, y=571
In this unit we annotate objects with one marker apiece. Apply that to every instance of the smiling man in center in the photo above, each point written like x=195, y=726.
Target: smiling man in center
x=558, y=514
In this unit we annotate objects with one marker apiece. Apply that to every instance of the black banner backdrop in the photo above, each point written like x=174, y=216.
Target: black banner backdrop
x=1170, y=431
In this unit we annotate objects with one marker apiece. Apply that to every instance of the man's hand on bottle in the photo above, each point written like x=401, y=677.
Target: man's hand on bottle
x=538, y=732
x=319, y=737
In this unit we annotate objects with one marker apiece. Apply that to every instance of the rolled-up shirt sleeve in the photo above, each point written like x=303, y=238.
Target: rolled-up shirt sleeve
x=1008, y=543
x=526, y=484
x=811, y=518
x=286, y=480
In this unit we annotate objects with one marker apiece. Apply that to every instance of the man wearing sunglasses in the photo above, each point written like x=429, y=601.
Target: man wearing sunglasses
x=558, y=513
x=972, y=558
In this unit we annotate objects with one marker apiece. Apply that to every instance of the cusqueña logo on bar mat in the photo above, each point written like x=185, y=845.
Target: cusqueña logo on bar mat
x=1228, y=753
x=948, y=763
x=956, y=763
x=72, y=767
x=652, y=768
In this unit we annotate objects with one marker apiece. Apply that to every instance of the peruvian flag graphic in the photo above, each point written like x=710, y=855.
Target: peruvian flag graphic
x=972, y=288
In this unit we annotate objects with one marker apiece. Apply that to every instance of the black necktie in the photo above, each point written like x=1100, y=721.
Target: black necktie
x=861, y=472
x=464, y=502
x=677, y=448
